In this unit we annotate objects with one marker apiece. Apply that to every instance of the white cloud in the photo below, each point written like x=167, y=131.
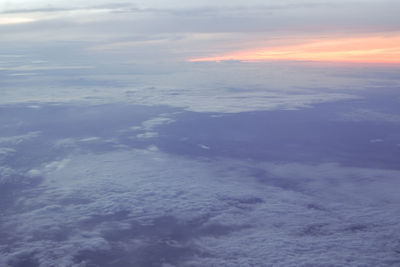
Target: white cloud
x=34, y=106
x=148, y=127
x=147, y=135
x=90, y=139
x=153, y=123
x=23, y=74
x=48, y=167
x=34, y=173
x=152, y=148
x=55, y=165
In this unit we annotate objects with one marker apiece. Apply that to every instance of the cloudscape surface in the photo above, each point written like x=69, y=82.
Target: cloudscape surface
x=199, y=133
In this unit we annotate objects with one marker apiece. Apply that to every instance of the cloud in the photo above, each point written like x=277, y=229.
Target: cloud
x=211, y=100
x=155, y=122
x=119, y=207
x=23, y=74
x=24, y=68
x=60, y=9
x=90, y=139
x=204, y=87
x=48, y=168
x=376, y=140
x=65, y=142
x=55, y=165
x=110, y=23
x=190, y=8
x=148, y=127
x=132, y=53
x=15, y=20
x=6, y=174
x=368, y=49
x=204, y=146
x=6, y=150
x=152, y=148
x=147, y=135
x=17, y=139
x=204, y=212
x=370, y=115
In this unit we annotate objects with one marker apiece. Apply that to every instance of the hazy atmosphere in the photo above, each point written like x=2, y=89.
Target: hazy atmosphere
x=199, y=133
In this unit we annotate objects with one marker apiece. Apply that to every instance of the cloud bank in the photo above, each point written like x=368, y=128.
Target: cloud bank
x=204, y=212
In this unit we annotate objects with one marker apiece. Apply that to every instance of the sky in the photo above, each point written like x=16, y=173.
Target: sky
x=180, y=54
x=199, y=133
x=151, y=31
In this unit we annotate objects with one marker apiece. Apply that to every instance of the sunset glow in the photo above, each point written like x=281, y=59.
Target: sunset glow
x=357, y=50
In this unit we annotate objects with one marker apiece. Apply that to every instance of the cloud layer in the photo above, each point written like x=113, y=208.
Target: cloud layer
x=86, y=204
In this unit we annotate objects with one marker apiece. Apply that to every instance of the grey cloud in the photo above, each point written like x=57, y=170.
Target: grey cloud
x=201, y=9
x=370, y=115
x=6, y=150
x=191, y=91
x=153, y=123
x=160, y=204
x=233, y=19
x=17, y=139
x=149, y=34
x=5, y=174
x=56, y=9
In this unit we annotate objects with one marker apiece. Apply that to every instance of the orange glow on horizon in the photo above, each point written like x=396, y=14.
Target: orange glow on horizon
x=356, y=50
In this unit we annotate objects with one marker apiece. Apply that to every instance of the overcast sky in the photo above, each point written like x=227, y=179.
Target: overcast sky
x=117, y=50
x=183, y=30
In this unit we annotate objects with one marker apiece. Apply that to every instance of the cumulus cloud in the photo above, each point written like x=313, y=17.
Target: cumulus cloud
x=47, y=168
x=205, y=211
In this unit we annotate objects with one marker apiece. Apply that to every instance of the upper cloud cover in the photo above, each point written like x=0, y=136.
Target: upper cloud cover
x=101, y=51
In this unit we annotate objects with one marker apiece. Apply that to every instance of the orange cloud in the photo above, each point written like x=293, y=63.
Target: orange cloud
x=357, y=50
